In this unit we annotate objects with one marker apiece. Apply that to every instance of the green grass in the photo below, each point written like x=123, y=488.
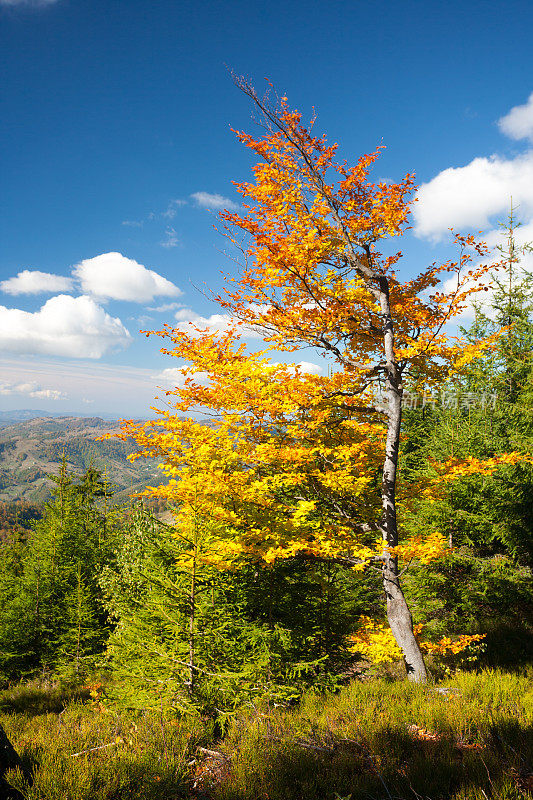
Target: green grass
x=379, y=740
x=88, y=752
x=483, y=743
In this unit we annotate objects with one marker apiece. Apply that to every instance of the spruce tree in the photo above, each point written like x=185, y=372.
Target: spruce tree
x=486, y=582
x=50, y=594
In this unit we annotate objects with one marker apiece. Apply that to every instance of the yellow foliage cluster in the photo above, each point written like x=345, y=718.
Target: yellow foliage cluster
x=455, y=646
x=375, y=641
x=290, y=462
x=422, y=549
x=447, y=471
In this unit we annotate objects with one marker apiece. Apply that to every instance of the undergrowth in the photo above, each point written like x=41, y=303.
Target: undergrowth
x=469, y=739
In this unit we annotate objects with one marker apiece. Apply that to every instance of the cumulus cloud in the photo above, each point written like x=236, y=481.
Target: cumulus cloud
x=468, y=197
x=214, y=202
x=518, y=123
x=215, y=323
x=479, y=194
x=188, y=320
x=484, y=300
x=306, y=367
x=110, y=276
x=31, y=389
x=309, y=368
x=34, y=282
x=115, y=277
x=64, y=326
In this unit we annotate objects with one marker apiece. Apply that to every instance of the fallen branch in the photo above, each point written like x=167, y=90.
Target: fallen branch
x=92, y=749
x=213, y=753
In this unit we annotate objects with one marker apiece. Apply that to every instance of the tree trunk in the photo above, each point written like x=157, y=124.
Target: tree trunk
x=401, y=623
x=398, y=614
x=192, y=612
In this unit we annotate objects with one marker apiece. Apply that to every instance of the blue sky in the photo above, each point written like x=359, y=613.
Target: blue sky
x=116, y=150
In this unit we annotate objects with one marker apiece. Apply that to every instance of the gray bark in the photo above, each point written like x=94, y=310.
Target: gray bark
x=398, y=614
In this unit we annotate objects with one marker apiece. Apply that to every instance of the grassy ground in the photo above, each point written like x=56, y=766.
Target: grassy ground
x=379, y=740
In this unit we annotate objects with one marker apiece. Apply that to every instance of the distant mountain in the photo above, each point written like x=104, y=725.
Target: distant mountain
x=22, y=414
x=32, y=449
x=19, y=415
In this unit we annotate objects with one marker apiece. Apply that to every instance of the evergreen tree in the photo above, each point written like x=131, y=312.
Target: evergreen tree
x=188, y=632
x=84, y=634
x=49, y=594
x=486, y=581
x=507, y=369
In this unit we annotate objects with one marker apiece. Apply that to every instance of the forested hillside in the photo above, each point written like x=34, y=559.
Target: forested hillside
x=32, y=450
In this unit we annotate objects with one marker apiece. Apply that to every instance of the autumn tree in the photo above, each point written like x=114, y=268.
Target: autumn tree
x=296, y=464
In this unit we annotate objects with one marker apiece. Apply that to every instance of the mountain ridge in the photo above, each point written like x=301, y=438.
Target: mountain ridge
x=32, y=449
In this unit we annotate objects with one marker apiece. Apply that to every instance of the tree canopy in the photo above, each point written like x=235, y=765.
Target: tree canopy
x=299, y=464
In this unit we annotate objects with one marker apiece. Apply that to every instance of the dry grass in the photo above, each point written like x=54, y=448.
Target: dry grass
x=380, y=740
x=85, y=751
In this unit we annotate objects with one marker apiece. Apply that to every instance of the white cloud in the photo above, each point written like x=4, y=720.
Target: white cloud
x=468, y=197
x=214, y=202
x=307, y=368
x=164, y=308
x=484, y=299
x=113, y=276
x=169, y=375
x=35, y=282
x=171, y=238
x=518, y=123
x=64, y=326
x=215, y=323
x=31, y=389
x=175, y=377
x=172, y=208
x=479, y=194
x=107, y=276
